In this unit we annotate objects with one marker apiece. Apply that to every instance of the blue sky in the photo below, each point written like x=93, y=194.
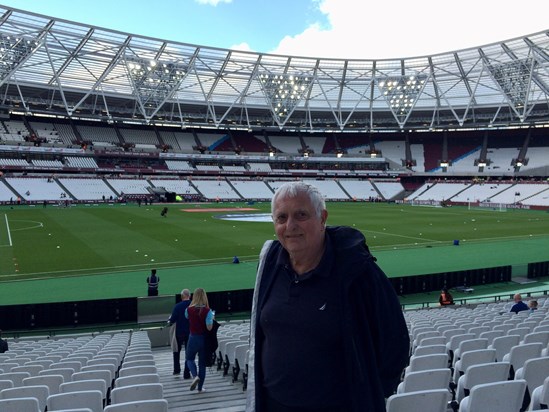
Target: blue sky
x=319, y=28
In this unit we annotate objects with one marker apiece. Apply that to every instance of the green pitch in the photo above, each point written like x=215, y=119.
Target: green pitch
x=93, y=252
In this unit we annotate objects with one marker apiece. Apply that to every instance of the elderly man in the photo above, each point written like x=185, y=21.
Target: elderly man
x=181, y=334
x=519, y=305
x=328, y=333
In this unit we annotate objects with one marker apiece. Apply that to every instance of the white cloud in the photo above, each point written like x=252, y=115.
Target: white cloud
x=242, y=47
x=213, y=2
x=402, y=28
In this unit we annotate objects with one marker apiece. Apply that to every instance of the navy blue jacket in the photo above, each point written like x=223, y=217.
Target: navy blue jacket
x=519, y=307
x=178, y=317
x=375, y=336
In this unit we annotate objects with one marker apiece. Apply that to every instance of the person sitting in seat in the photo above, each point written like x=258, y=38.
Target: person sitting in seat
x=519, y=305
x=445, y=298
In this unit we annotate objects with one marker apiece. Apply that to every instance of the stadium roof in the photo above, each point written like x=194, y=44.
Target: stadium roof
x=52, y=66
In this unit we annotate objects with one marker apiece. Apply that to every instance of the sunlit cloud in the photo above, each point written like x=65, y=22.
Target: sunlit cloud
x=408, y=29
x=242, y=47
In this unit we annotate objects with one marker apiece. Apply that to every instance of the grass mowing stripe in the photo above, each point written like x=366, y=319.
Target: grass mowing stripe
x=125, y=269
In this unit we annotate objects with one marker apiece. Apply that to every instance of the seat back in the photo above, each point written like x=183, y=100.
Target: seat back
x=503, y=345
x=156, y=405
x=421, y=363
x=19, y=405
x=434, y=400
x=141, y=362
x=482, y=373
x=418, y=329
x=491, y=335
x=40, y=392
x=436, y=340
x=425, y=380
x=85, y=385
x=74, y=400
x=42, y=362
x=20, y=361
x=137, y=370
x=429, y=350
x=33, y=370
x=521, y=353
x=541, y=337
x=75, y=358
x=477, y=330
x=522, y=332
x=76, y=365
x=51, y=381
x=475, y=357
x=424, y=335
x=535, y=371
x=104, y=375
x=138, y=356
x=6, y=384
x=455, y=340
x=471, y=344
x=486, y=373
x=541, y=328
x=103, y=366
x=504, y=396
x=15, y=377
x=544, y=393
x=66, y=373
x=240, y=354
x=137, y=380
x=135, y=393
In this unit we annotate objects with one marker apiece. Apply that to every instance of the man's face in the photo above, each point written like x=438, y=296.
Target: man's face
x=297, y=226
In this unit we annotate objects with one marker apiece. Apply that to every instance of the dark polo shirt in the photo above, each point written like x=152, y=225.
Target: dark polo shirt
x=302, y=349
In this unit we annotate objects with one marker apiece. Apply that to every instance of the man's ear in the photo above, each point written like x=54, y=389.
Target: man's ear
x=324, y=217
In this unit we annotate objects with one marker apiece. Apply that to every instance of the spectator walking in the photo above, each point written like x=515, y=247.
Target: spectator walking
x=181, y=334
x=201, y=318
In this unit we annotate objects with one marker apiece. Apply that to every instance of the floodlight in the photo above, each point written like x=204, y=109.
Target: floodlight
x=284, y=92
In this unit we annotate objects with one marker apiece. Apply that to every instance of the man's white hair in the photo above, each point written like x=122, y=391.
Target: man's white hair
x=293, y=189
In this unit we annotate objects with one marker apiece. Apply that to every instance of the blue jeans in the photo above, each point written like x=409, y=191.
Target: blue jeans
x=196, y=344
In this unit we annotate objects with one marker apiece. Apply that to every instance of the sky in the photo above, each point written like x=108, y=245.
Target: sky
x=350, y=29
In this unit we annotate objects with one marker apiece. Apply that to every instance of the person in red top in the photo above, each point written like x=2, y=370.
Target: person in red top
x=445, y=298
x=200, y=319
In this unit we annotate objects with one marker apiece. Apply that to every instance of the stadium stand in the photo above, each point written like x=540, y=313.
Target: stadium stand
x=480, y=356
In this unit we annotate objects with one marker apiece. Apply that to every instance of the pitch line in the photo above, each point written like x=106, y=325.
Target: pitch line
x=404, y=236
x=8, y=229
x=37, y=225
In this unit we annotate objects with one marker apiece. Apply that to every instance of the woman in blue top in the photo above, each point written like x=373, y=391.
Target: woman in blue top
x=200, y=319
